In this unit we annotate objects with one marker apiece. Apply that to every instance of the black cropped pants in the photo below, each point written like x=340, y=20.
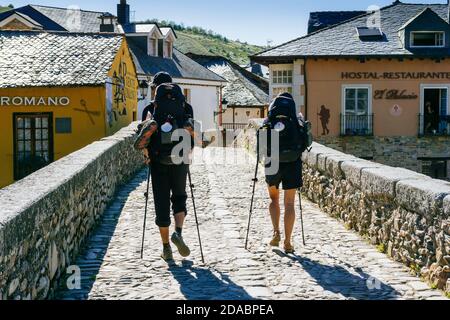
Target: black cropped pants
x=169, y=187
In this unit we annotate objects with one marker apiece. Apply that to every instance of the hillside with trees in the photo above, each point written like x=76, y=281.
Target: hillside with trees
x=206, y=42
x=6, y=8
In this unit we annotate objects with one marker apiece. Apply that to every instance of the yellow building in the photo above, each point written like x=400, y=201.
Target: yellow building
x=59, y=92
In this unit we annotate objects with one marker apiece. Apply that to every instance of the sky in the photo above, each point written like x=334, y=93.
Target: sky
x=252, y=21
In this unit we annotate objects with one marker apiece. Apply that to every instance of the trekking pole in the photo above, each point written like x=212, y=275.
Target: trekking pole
x=255, y=180
x=301, y=214
x=145, y=214
x=191, y=186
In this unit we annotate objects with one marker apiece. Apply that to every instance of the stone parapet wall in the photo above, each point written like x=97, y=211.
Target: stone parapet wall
x=406, y=214
x=402, y=151
x=46, y=217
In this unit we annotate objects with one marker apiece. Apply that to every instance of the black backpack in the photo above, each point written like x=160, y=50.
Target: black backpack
x=170, y=115
x=292, y=135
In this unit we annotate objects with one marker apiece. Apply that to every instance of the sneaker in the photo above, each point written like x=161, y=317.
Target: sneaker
x=183, y=249
x=167, y=253
x=276, y=239
x=289, y=248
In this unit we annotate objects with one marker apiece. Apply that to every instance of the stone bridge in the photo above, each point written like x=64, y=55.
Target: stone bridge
x=84, y=217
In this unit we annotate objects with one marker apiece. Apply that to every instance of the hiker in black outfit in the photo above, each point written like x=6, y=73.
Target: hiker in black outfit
x=159, y=79
x=168, y=179
x=283, y=118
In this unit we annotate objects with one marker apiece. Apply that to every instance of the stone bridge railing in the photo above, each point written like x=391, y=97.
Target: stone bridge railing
x=406, y=214
x=46, y=217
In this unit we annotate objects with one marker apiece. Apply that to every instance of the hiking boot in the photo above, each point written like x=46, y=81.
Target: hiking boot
x=183, y=249
x=167, y=253
x=289, y=248
x=276, y=239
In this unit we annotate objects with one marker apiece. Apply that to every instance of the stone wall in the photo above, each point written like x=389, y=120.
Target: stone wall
x=401, y=151
x=406, y=214
x=46, y=217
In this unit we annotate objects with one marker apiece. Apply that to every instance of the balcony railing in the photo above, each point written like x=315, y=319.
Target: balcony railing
x=434, y=126
x=234, y=126
x=357, y=125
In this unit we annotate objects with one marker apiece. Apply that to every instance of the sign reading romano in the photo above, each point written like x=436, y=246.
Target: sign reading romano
x=395, y=75
x=34, y=101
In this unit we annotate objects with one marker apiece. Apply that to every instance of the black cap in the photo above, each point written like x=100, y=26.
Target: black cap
x=160, y=78
x=286, y=95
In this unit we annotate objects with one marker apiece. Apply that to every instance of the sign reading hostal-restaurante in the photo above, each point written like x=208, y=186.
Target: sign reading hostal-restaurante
x=395, y=75
x=34, y=101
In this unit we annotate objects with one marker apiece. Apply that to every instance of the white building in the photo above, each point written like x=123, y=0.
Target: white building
x=246, y=93
x=153, y=51
x=288, y=78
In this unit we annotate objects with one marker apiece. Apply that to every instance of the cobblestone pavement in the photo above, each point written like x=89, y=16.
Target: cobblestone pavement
x=335, y=264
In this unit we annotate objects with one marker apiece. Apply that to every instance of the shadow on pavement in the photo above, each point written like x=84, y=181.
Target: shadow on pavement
x=92, y=254
x=206, y=284
x=337, y=279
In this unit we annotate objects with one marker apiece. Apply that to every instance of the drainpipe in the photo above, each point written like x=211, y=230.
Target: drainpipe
x=220, y=108
x=448, y=11
x=306, y=88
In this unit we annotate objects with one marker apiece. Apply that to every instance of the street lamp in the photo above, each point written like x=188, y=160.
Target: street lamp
x=143, y=89
x=224, y=107
x=224, y=104
x=222, y=110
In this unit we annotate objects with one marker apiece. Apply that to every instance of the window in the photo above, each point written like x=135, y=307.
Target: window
x=161, y=48
x=357, y=101
x=369, y=33
x=33, y=143
x=168, y=49
x=279, y=90
x=356, y=118
x=153, y=47
x=435, y=168
x=63, y=125
x=427, y=39
x=282, y=76
x=435, y=119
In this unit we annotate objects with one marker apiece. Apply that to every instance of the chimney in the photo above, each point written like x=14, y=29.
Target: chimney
x=123, y=12
x=108, y=22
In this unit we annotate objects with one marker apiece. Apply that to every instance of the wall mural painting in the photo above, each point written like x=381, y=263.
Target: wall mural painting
x=109, y=102
x=91, y=113
x=120, y=89
x=120, y=98
x=324, y=116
